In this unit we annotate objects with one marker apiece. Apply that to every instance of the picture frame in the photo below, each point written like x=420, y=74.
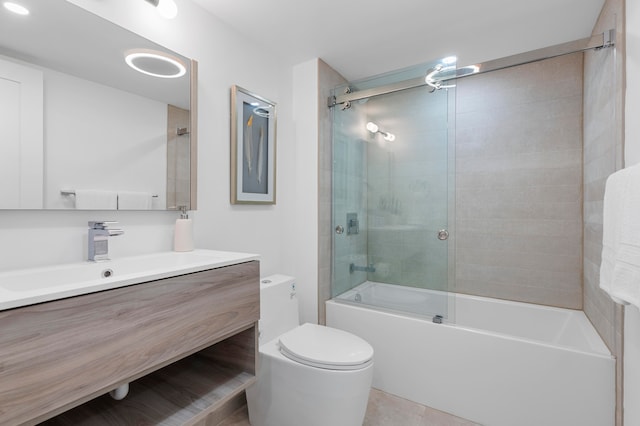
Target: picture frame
x=253, y=148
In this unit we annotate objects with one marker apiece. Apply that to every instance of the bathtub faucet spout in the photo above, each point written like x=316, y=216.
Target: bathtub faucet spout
x=369, y=268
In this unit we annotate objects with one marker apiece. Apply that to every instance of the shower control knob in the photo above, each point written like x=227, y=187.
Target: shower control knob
x=443, y=234
x=339, y=229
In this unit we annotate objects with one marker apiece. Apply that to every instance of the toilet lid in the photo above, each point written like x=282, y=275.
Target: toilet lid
x=326, y=347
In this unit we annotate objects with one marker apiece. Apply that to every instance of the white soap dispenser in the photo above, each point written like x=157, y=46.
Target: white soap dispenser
x=183, y=236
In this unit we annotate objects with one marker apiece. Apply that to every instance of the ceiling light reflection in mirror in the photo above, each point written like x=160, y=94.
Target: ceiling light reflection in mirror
x=154, y=63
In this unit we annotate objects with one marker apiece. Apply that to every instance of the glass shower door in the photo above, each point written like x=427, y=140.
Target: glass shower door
x=392, y=199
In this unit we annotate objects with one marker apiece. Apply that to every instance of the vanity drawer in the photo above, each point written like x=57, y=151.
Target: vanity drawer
x=57, y=355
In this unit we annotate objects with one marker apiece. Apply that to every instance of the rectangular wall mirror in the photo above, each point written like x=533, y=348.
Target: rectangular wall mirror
x=82, y=128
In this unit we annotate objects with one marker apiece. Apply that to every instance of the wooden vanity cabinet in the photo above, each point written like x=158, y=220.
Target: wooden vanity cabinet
x=186, y=345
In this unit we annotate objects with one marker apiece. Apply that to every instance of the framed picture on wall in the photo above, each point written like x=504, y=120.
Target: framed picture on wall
x=253, y=148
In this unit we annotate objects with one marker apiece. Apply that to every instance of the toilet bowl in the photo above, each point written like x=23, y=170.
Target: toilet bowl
x=308, y=374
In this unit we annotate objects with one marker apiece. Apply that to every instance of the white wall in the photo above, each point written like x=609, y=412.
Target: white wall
x=98, y=137
x=632, y=156
x=21, y=117
x=31, y=238
x=303, y=258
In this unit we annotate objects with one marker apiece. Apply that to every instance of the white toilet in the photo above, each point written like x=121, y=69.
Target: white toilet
x=308, y=374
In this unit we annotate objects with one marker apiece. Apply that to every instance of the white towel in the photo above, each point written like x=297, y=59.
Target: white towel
x=129, y=200
x=93, y=199
x=611, y=225
x=620, y=268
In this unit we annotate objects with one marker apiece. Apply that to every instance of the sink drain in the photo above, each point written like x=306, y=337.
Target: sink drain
x=107, y=273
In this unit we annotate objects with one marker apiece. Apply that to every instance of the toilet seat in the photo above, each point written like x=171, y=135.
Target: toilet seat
x=325, y=347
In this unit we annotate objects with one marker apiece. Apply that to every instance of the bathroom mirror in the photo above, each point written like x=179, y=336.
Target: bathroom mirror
x=86, y=130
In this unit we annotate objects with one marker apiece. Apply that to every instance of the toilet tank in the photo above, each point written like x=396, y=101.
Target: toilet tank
x=278, y=306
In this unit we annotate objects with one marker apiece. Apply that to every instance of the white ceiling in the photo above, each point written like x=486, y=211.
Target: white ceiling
x=361, y=38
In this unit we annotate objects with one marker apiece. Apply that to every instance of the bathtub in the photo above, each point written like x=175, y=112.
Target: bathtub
x=499, y=363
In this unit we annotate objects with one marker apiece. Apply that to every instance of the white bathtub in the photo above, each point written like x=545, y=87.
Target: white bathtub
x=500, y=364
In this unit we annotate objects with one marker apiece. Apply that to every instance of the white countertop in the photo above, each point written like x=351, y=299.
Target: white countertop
x=34, y=285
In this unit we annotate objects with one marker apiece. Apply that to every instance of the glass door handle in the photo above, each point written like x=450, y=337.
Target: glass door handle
x=443, y=234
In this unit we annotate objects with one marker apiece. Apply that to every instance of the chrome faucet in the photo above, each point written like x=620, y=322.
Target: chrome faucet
x=99, y=234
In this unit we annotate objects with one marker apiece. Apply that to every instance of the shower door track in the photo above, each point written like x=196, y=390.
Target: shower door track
x=598, y=41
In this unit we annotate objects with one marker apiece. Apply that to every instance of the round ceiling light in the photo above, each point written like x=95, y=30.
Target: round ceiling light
x=154, y=63
x=16, y=8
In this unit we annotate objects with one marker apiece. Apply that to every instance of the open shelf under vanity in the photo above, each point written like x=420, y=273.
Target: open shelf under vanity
x=183, y=393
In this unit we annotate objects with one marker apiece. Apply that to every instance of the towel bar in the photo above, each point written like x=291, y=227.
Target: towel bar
x=73, y=192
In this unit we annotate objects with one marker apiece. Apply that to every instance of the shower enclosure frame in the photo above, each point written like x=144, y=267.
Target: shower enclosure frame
x=598, y=41
x=595, y=42
x=407, y=182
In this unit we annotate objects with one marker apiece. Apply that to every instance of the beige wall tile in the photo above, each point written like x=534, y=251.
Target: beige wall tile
x=519, y=183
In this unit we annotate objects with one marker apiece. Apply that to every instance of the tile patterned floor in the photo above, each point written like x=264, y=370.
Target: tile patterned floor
x=383, y=410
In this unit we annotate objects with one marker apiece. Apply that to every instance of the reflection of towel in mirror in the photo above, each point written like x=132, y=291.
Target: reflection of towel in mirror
x=93, y=199
x=129, y=200
x=620, y=267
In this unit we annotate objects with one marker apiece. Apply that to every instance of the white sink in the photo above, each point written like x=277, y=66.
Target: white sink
x=29, y=286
